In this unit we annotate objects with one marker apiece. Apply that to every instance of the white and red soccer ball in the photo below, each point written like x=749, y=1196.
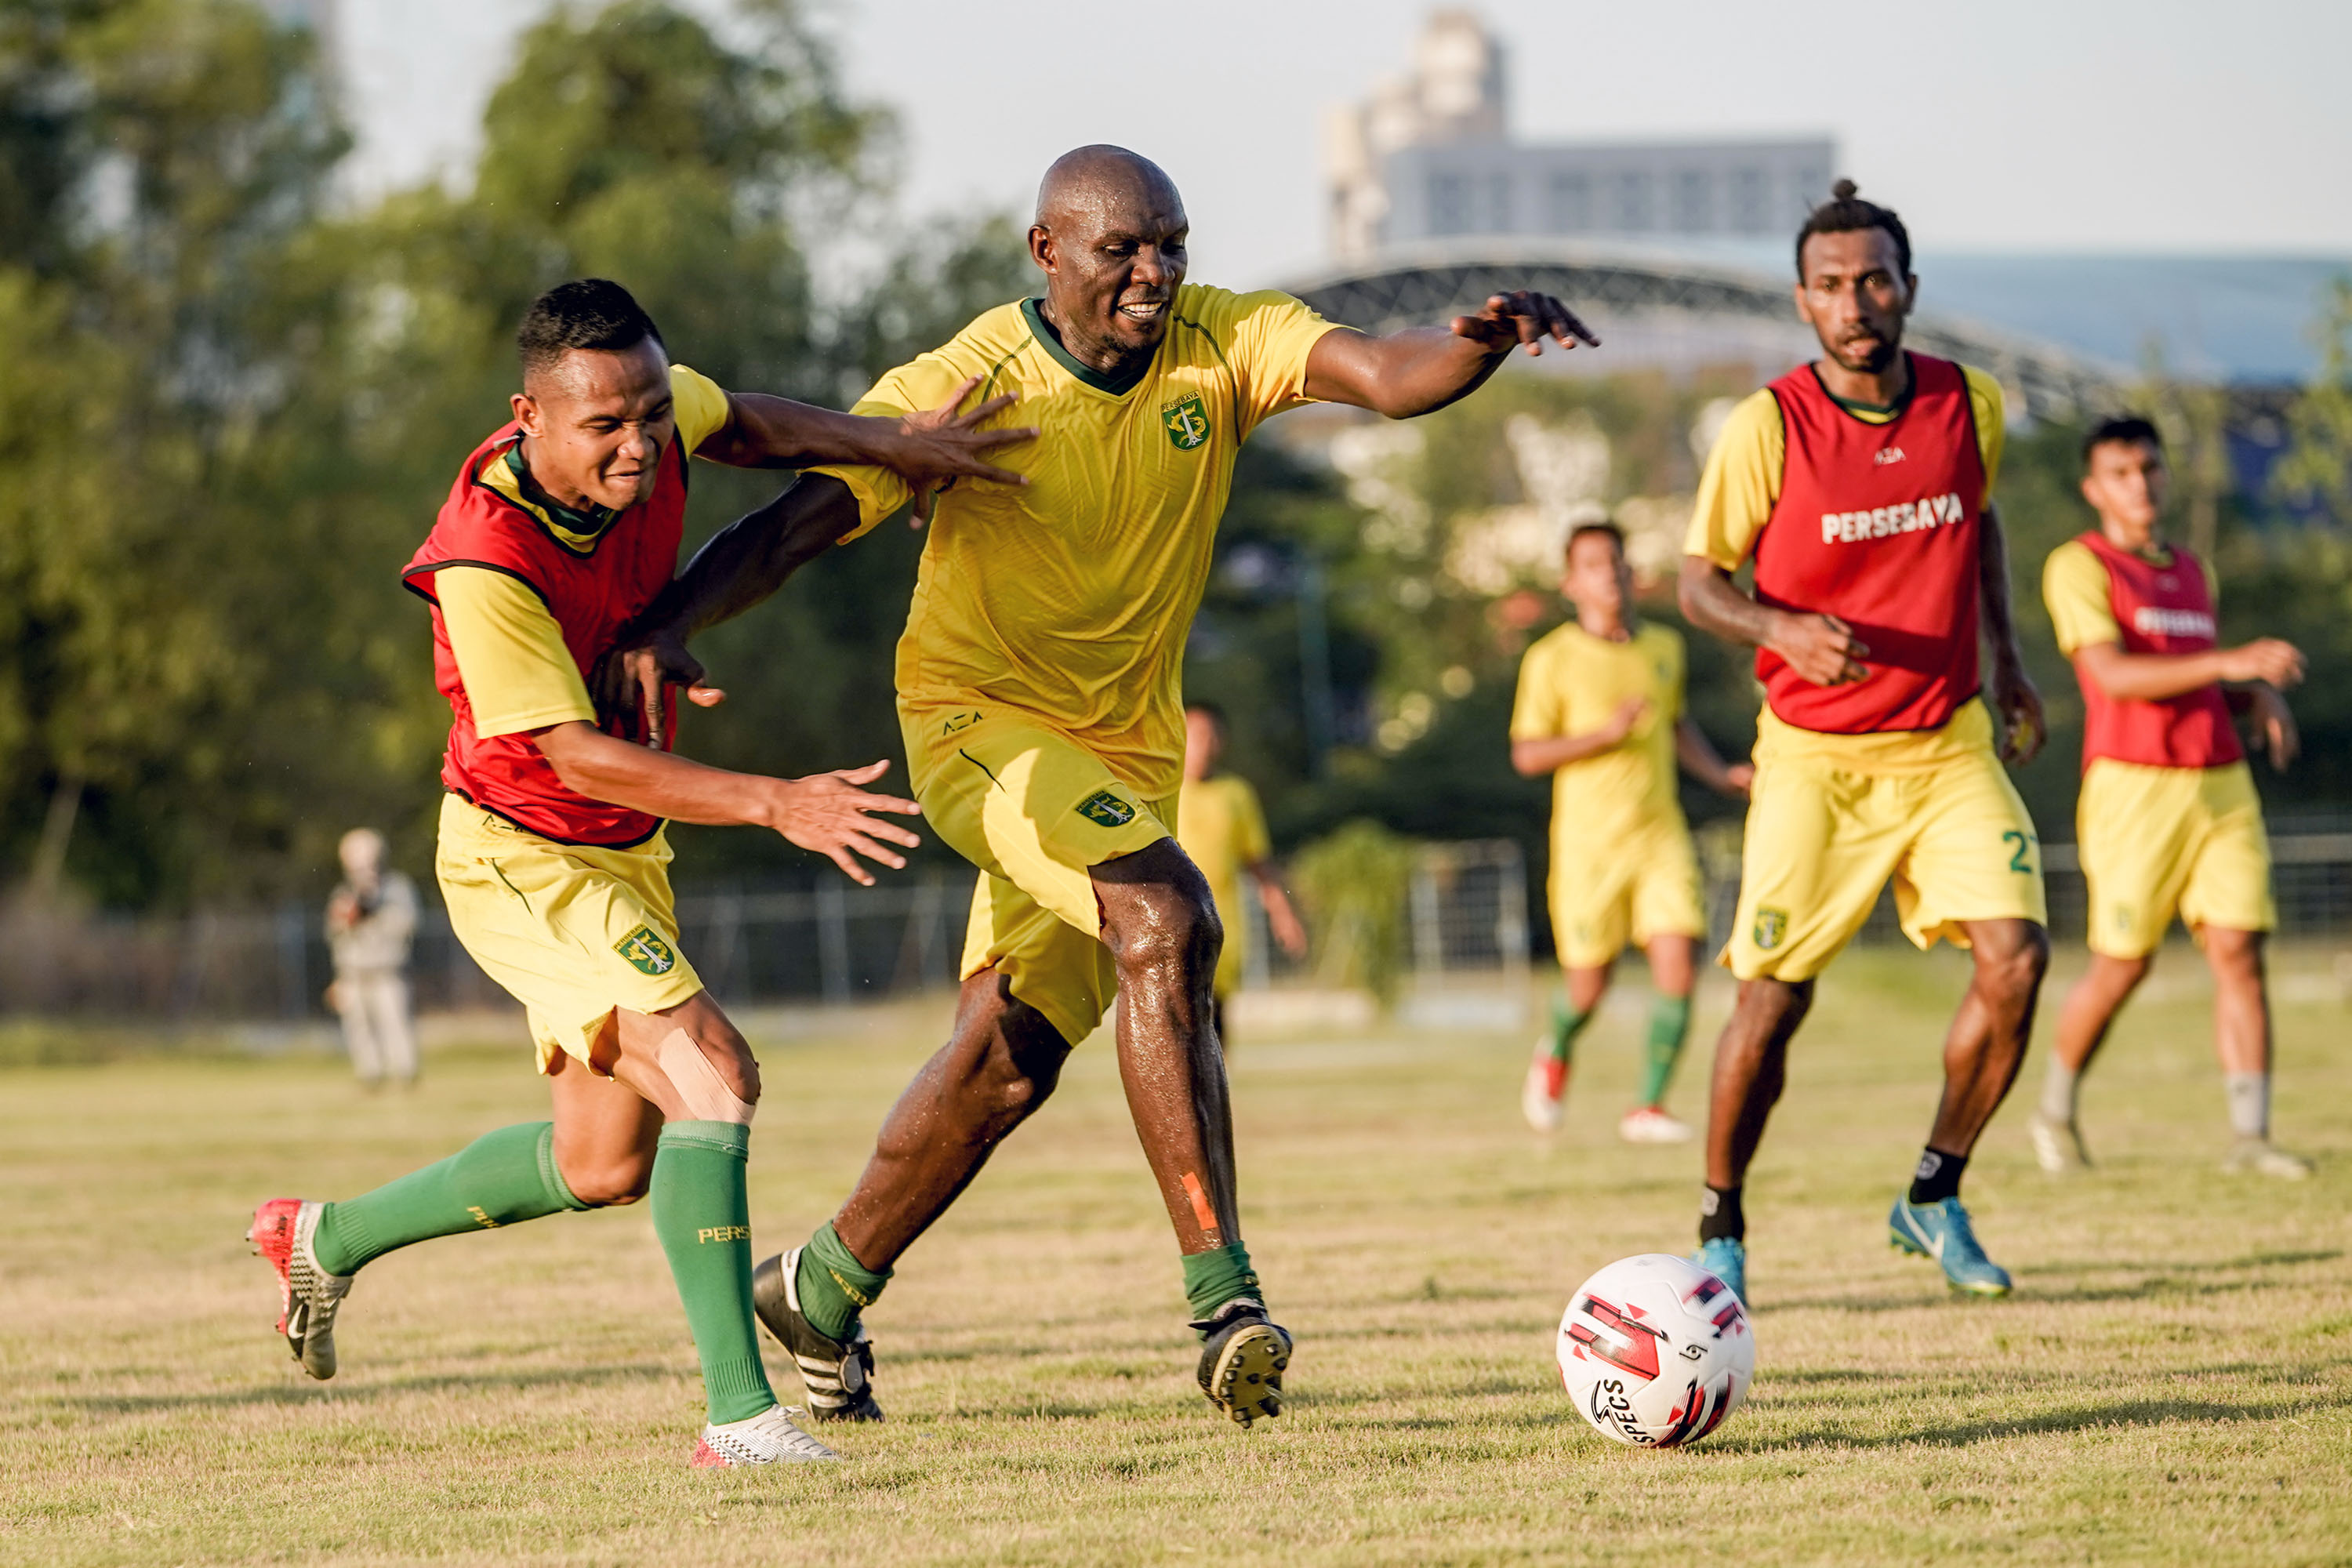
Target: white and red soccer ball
x=1655, y=1350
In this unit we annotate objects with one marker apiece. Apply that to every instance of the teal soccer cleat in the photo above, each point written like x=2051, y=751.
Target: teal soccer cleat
x=1940, y=1231
x=1726, y=1259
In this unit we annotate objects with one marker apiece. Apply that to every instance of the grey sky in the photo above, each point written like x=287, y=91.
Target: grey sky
x=1999, y=125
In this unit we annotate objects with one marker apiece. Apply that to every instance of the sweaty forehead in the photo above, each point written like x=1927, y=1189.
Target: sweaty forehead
x=1128, y=195
x=623, y=381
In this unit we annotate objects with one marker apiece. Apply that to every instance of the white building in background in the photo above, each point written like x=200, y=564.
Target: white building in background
x=1429, y=157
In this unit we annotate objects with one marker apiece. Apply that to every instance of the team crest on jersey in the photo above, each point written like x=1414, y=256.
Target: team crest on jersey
x=1105, y=809
x=1771, y=925
x=1187, y=420
x=646, y=953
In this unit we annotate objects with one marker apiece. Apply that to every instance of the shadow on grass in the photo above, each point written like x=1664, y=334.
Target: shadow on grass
x=2080, y=1418
x=2027, y=1294
x=307, y=1393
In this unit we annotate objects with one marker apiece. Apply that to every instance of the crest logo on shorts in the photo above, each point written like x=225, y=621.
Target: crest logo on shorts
x=1771, y=925
x=1105, y=809
x=1187, y=420
x=646, y=953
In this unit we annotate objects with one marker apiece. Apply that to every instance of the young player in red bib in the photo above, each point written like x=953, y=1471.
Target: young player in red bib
x=1862, y=486
x=2168, y=820
x=562, y=528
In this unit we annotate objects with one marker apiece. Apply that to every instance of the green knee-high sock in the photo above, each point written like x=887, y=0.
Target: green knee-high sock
x=500, y=1178
x=1219, y=1275
x=832, y=1286
x=1669, y=1028
x=1567, y=1023
x=704, y=1219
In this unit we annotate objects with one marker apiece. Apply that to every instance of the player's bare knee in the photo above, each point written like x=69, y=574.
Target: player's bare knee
x=1167, y=929
x=2013, y=957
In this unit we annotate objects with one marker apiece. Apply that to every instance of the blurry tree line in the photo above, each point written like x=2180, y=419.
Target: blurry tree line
x=237, y=402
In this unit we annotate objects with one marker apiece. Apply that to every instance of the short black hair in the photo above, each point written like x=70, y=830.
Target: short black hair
x=2129, y=429
x=585, y=313
x=1216, y=712
x=1581, y=529
x=1846, y=213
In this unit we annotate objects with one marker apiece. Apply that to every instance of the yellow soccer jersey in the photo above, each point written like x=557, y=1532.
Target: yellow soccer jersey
x=1742, y=480
x=1570, y=683
x=1068, y=600
x=1222, y=827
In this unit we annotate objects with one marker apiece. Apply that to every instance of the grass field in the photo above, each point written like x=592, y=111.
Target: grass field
x=2172, y=1382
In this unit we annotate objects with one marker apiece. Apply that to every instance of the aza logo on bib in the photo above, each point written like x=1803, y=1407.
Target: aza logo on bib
x=1105, y=809
x=1771, y=925
x=646, y=953
x=1187, y=421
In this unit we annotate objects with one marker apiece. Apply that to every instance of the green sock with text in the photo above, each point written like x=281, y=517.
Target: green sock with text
x=1670, y=1019
x=500, y=1178
x=703, y=1216
x=832, y=1286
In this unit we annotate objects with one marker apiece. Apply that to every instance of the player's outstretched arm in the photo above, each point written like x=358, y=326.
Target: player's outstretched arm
x=828, y=812
x=1703, y=763
x=1820, y=648
x=2014, y=696
x=928, y=449
x=1425, y=368
x=2153, y=676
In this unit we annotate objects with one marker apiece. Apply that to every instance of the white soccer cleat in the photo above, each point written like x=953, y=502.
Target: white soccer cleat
x=2058, y=1145
x=1546, y=1087
x=771, y=1437
x=1648, y=1124
x=2261, y=1157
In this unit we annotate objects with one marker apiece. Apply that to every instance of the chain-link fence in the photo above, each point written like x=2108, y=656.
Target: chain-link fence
x=1468, y=915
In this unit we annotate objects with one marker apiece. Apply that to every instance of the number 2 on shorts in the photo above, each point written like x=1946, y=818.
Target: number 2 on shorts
x=2025, y=842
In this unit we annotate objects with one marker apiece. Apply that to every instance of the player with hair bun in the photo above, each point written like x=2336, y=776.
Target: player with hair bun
x=1860, y=485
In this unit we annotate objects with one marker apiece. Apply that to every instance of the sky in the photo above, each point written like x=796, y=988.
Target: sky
x=2000, y=125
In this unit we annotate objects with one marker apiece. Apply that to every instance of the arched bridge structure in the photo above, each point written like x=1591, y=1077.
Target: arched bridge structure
x=1425, y=285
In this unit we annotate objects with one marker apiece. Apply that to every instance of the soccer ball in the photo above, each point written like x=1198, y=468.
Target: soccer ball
x=1655, y=1350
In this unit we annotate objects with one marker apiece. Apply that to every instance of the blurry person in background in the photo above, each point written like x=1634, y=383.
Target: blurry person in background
x=1220, y=826
x=1599, y=708
x=371, y=920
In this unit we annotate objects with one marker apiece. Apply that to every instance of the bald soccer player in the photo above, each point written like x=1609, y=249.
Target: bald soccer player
x=1039, y=695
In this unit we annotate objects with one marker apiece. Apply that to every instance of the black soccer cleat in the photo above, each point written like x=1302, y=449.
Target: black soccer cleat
x=1242, y=1361
x=837, y=1374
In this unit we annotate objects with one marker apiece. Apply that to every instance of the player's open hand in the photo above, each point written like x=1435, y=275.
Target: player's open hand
x=2019, y=703
x=1819, y=648
x=635, y=681
x=2282, y=742
x=939, y=446
x=830, y=814
x=1523, y=317
x=2273, y=659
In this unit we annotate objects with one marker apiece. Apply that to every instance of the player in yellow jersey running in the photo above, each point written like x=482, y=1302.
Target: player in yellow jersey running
x=1221, y=828
x=1038, y=692
x=2167, y=821
x=1599, y=708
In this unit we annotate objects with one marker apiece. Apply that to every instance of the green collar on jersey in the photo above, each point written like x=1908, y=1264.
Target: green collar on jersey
x=582, y=525
x=1872, y=413
x=1051, y=341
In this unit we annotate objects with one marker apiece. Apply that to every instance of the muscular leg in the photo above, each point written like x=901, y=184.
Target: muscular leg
x=999, y=1064
x=1586, y=987
x=1160, y=925
x=2082, y=1025
x=2241, y=1010
x=1987, y=1042
x=1751, y=1068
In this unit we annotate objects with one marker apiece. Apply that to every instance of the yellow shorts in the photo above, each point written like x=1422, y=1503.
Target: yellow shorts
x=570, y=931
x=1833, y=817
x=1631, y=888
x=2160, y=841
x=1035, y=811
x=1233, y=959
